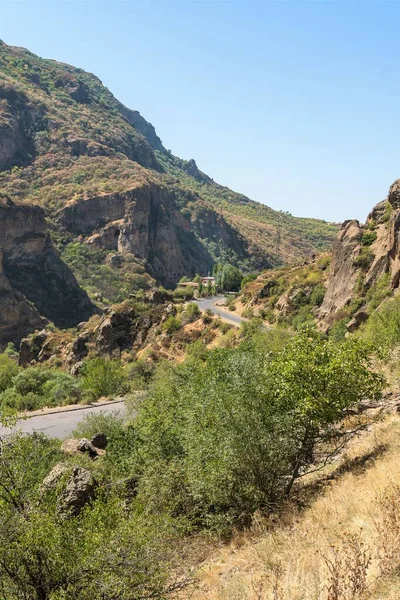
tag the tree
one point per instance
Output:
(228, 436)
(109, 551)
(227, 277)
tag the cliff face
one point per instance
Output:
(144, 222)
(365, 256)
(35, 284)
(67, 142)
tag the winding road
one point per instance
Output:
(210, 303)
(60, 424)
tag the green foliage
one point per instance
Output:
(383, 326)
(191, 312)
(36, 387)
(247, 278)
(103, 377)
(225, 437)
(8, 370)
(139, 374)
(97, 277)
(109, 424)
(368, 238)
(183, 293)
(364, 259)
(171, 324)
(379, 291)
(108, 551)
(227, 277)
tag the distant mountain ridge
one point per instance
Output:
(107, 183)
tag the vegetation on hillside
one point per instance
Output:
(70, 140)
(223, 435)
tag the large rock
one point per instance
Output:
(79, 491)
(394, 194)
(35, 284)
(343, 274)
(146, 222)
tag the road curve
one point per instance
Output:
(61, 424)
(209, 303)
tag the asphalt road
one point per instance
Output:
(61, 424)
(209, 303)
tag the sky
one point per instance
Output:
(293, 103)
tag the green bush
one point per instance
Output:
(368, 238)
(8, 370)
(183, 293)
(364, 259)
(102, 377)
(171, 324)
(223, 438)
(191, 313)
(383, 326)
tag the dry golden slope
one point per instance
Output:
(344, 546)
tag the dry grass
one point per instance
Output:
(344, 546)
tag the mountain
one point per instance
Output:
(121, 208)
(341, 289)
(35, 284)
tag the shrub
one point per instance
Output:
(364, 259)
(8, 370)
(183, 293)
(109, 424)
(383, 326)
(102, 377)
(317, 295)
(368, 238)
(61, 389)
(191, 313)
(225, 437)
(171, 324)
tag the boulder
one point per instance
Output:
(394, 194)
(79, 491)
(74, 446)
(360, 317)
(99, 441)
(52, 479)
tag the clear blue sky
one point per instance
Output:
(295, 104)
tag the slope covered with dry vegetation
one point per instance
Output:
(66, 139)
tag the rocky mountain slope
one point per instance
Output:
(365, 260)
(364, 271)
(106, 181)
(35, 285)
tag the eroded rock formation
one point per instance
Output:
(35, 285)
(363, 254)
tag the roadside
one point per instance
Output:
(60, 424)
(211, 303)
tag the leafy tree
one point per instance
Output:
(225, 437)
(227, 277)
(8, 370)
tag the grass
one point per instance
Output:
(345, 545)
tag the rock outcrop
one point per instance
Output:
(79, 488)
(146, 223)
(35, 284)
(343, 274)
(362, 255)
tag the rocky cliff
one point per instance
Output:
(366, 259)
(35, 285)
